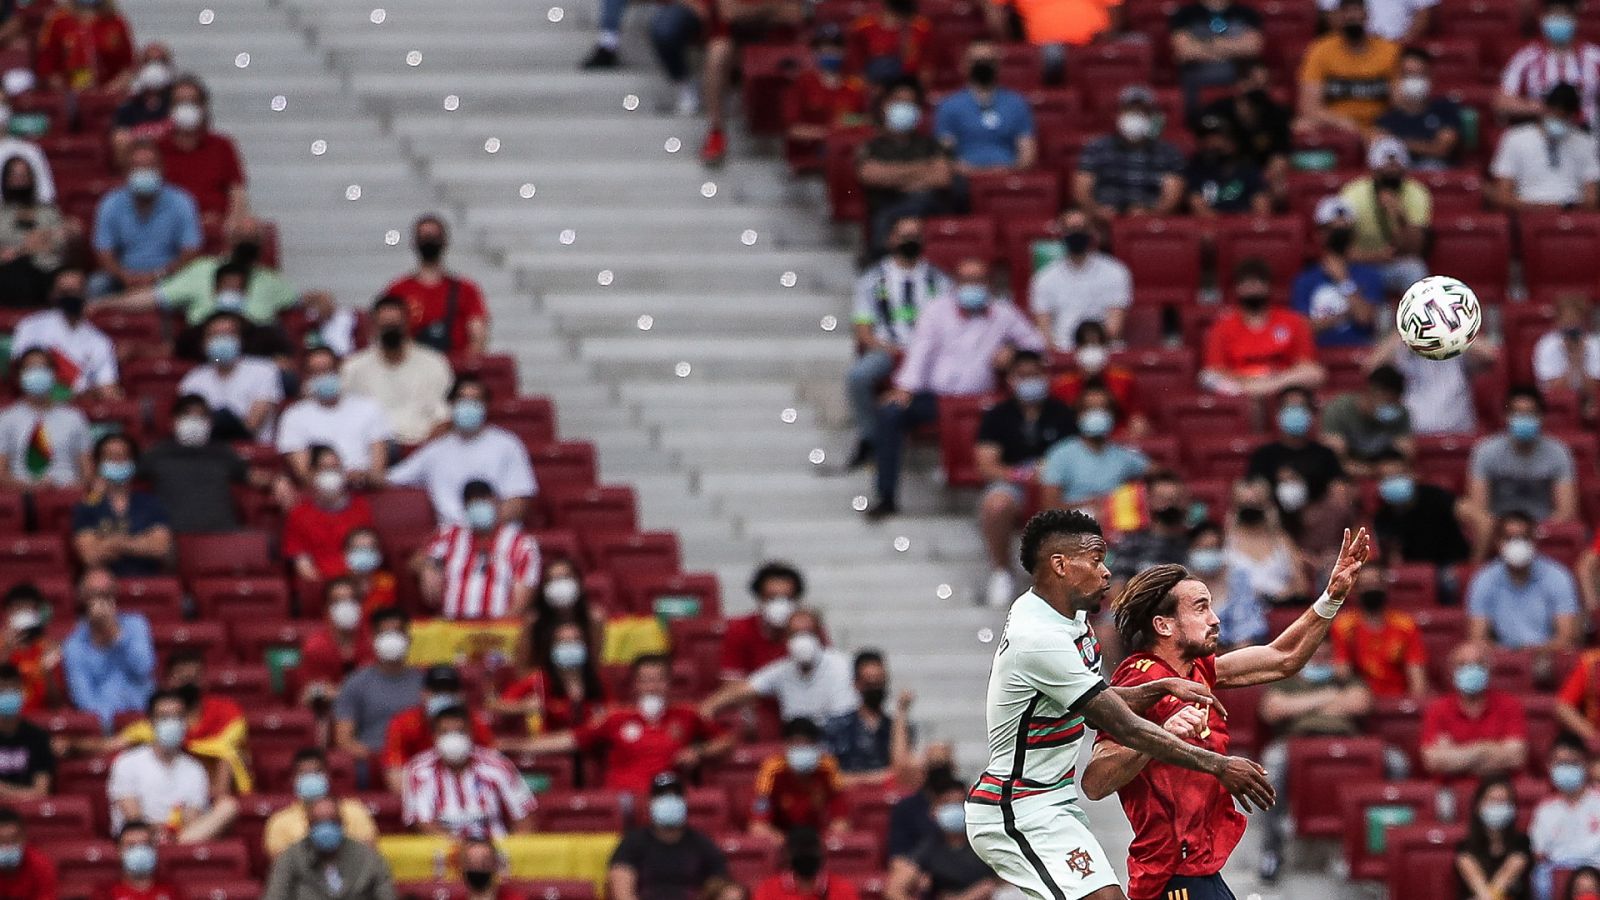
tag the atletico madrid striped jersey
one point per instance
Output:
(1046, 668)
(481, 573)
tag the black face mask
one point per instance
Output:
(873, 697)
(1572, 334)
(245, 253)
(984, 73)
(1339, 240)
(903, 7)
(71, 305)
(1258, 96)
(477, 879)
(1076, 242)
(1372, 601)
(18, 194)
(1355, 31)
(908, 249)
(1388, 182)
(190, 694)
(1254, 303)
(430, 250)
(1170, 516)
(806, 865)
(1252, 515)
(391, 337)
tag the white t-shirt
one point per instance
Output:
(160, 788)
(411, 393)
(1387, 18)
(350, 427)
(86, 346)
(1567, 833)
(1072, 294)
(445, 464)
(1550, 356)
(1438, 397)
(251, 381)
(1524, 156)
(826, 692)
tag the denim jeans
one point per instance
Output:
(890, 440)
(673, 30)
(611, 14)
(861, 386)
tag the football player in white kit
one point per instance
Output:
(1022, 815)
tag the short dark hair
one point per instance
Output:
(801, 727)
(1388, 454)
(477, 489)
(431, 218)
(649, 659)
(1515, 515)
(462, 381)
(9, 816)
(107, 440)
(23, 591)
(188, 402)
(1387, 378)
(1570, 741)
(1418, 53)
(1147, 595)
(1252, 268)
(1050, 523)
(775, 569)
(867, 657)
(1528, 391)
(901, 83)
(182, 656)
(9, 672)
(158, 696)
(1163, 476)
(1295, 390)
(316, 452)
(309, 754)
(1563, 98)
(1080, 335)
(385, 614)
(133, 825)
(319, 350)
(391, 301)
(223, 315)
(1026, 356)
(228, 269)
(1208, 526)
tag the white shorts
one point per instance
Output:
(1047, 851)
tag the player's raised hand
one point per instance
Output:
(1185, 690)
(1353, 553)
(1247, 782)
(1186, 722)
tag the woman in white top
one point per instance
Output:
(1257, 546)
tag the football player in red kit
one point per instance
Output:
(1184, 823)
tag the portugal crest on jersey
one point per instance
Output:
(1089, 649)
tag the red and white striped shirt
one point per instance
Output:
(480, 799)
(479, 575)
(1537, 68)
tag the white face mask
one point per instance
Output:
(169, 733)
(345, 615)
(651, 706)
(1517, 553)
(391, 646)
(328, 482)
(1133, 126)
(192, 431)
(561, 593)
(1292, 495)
(1415, 87)
(1091, 358)
(23, 620)
(776, 612)
(453, 747)
(804, 648)
(187, 116)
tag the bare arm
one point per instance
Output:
(1565, 507)
(1576, 722)
(906, 881)
(1171, 195)
(344, 737)
(622, 882)
(1589, 579)
(1114, 765)
(1472, 874)
(1510, 871)
(987, 458)
(731, 694)
(1416, 680)
(1140, 697)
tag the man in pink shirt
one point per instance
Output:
(959, 343)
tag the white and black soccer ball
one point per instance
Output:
(1439, 317)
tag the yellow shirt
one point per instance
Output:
(1415, 202)
(1354, 84)
(289, 826)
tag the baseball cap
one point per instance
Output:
(1331, 208)
(442, 678)
(665, 783)
(1385, 150)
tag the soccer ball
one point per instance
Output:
(1438, 317)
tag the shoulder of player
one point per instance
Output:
(1138, 668)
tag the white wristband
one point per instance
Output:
(1326, 606)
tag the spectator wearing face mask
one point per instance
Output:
(870, 745)
(1345, 74)
(1219, 180)
(902, 171)
(1475, 731)
(235, 282)
(485, 569)
(1391, 214)
(85, 359)
(1549, 163)
(33, 236)
(82, 45)
(160, 782)
(108, 659)
(1209, 39)
(1566, 359)
(481, 870)
(799, 788)
(244, 391)
(1495, 858)
(1381, 647)
(1416, 522)
(27, 761)
(822, 97)
(803, 876)
(1299, 467)
(560, 599)
(191, 474)
(203, 162)
(1339, 296)
(1084, 285)
(363, 561)
(25, 870)
(1242, 617)
(472, 450)
(463, 788)
(290, 825)
(332, 653)
(987, 128)
(753, 641)
(1132, 170)
(143, 116)
(408, 379)
(115, 526)
(1257, 549)
(448, 313)
(329, 863)
(956, 348)
(1556, 56)
(25, 646)
(1521, 470)
(355, 427)
(1565, 830)
(1086, 469)
(41, 186)
(1092, 367)
(43, 440)
(1524, 599)
(1259, 122)
(375, 694)
(144, 231)
(215, 730)
(812, 681)
(890, 44)
(1362, 427)
(562, 688)
(946, 865)
(1166, 538)
(665, 859)
(409, 732)
(1427, 124)
(1255, 349)
(315, 530)
(1013, 436)
(911, 819)
(138, 851)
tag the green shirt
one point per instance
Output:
(1365, 437)
(193, 289)
(1415, 202)
(1316, 722)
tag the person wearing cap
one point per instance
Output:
(1555, 56)
(812, 681)
(243, 391)
(1550, 163)
(1085, 285)
(143, 116)
(409, 734)
(1256, 349)
(988, 128)
(1219, 180)
(666, 859)
(1428, 124)
(1209, 38)
(290, 825)
(1342, 298)
(822, 97)
(1346, 73)
(1132, 170)
(753, 641)
(1392, 213)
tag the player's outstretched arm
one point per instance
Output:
(1114, 765)
(1289, 651)
(1243, 778)
(1141, 697)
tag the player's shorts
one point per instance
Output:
(1196, 887)
(1047, 851)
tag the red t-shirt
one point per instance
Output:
(1502, 718)
(310, 530)
(1282, 341)
(1119, 381)
(786, 799)
(322, 660)
(556, 713)
(409, 735)
(35, 677)
(746, 647)
(870, 37)
(812, 101)
(428, 303)
(208, 172)
(1379, 655)
(1581, 690)
(1184, 823)
(828, 887)
(637, 750)
(33, 879)
(123, 891)
(86, 53)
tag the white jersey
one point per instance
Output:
(1046, 668)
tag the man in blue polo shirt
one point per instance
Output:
(988, 128)
(145, 230)
(1524, 599)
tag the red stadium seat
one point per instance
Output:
(854, 853)
(947, 240)
(1412, 585)
(1397, 721)
(564, 465)
(159, 598)
(385, 809)
(533, 419)
(251, 640)
(1475, 248)
(210, 638)
(1279, 240)
(1556, 249)
(637, 557)
(250, 686)
(431, 890)
(222, 889)
(709, 810)
(44, 553)
(235, 553)
(581, 811)
(241, 599)
(497, 371)
(55, 818)
(596, 509)
(664, 596)
(1160, 251)
(402, 509)
(291, 729)
(1035, 194)
(1422, 861)
(1207, 414)
(959, 418)
(845, 197)
(552, 889)
(82, 863)
(222, 859)
(750, 858)
(1455, 191)
(1367, 805)
(1220, 457)
(1101, 70)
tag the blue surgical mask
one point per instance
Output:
(1032, 390)
(1559, 29)
(669, 811)
(327, 836)
(469, 414)
(309, 786)
(569, 654)
(10, 856)
(1497, 815)
(1568, 777)
(1206, 560)
(952, 818)
(972, 297)
(1389, 413)
(803, 758)
(362, 560)
(1317, 673)
(170, 732)
(223, 348)
(1471, 679)
(36, 381)
(117, 471)
(832, 63)
(902, 116)
(438, 703)
(139, 860)
(1556, 128)
(1294, 421)
(1523, 426)
(1397, 489)
(481, 515)
(144, 182)
(325, 386)
(1095, 423)
(11, 703)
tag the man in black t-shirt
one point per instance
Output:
(665, 860)
(1209, 39)
(902, 170)
(1298, 465)
(1260, 123)
(1415, 522)
(944, 865)
(27, 764)
(192, 474)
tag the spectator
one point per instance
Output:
(902, 171)
(1401, 21)
(1258, 122)
(33, 235)
(25, 646)
(1438, 396)
(410, 732)
(911, 819)
(115, 526)
(957, 346)
(1415, 521)
(447, 311)
(329, 863)
(1013, 436)
(1090, 467)
(888, 298)
(1566, 359)
(1475, 731)
(735, 23)
(315, 531)
(1524, 599)
(191, 474)
(355, 427)
(143, 116)
(1242, 615)
(1494, 859)
(108, 658)
(1084, 285)
(378, 692)
(86, 360)
(753, 641)
(1345, 74)
(137, 849)
(1257, 350)
(1362, 427)
(216, 726)
(1299, 467)
(1339, 296)
(487, 568)
(1220, 180)
(799, 788)
(43, 180)
(27, 761)
(1133, 170)
(1392, 213)
(1092, 367)
(822, 97)
(1565, 830)
(944, 866)
(1257, 549)
(871, 746)
(1429, 125)
(43, 440)
(84, 45)
(1584, 884)
(237, 282)
(1380, 646)
(408, 379)
(562, 689)
(159, 782)
(1550, 163)
(243, 391)
(1557, 56)
(803, 877)
(331, 654)
(1165, 539)
(26, 872)
(144, 231)
(987, 128)
(473, 450)
(890, 44)
(665, 859)
(1210, 39)
(1519, 470)
(203, 162)
(363, 560)
(458, 789)
(812, 681)
(481, 867)
(560, 599)
(291, 825)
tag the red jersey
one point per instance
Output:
(1502, 717)
(35, 677)
(786, 799)
(1184, 823)
(1283, 340)
(1379, 656)
(123, 891)
(482, 573)
(555, 713)
(637, 749)
(429, 302)
(828, 887)
(87, 53)
(409, 735)
(208, 172)
(381, 593)
(871, 38)
(746, 647)
(310, 530)
(321, 659)
(1119, 381)
(1581, 690)
(33, 879)
(811, 100)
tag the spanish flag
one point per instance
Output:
(1125, 509)
(37, 459)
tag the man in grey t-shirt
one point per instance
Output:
(374, 694)
(1519, 470)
